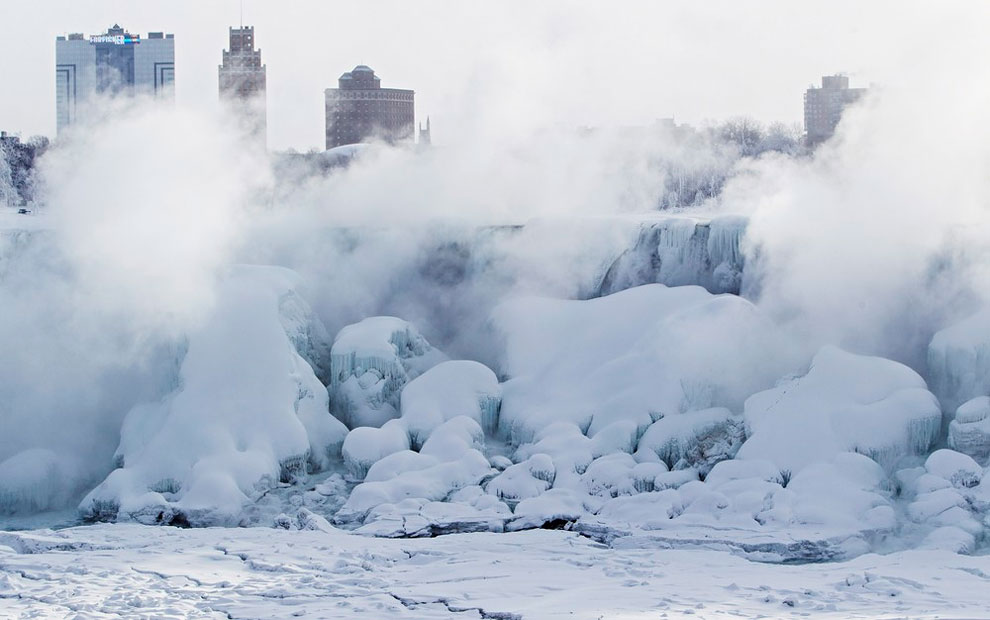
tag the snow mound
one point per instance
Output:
(951, 494)
(959, 360)
(955, 467)
(530, 478)
(674, 350)
(370, 362)
(246, 411)
(844, 403)
(453, 438)
(694, 439)
(448, 390)
(969, 431)
(366, 445)
(468, 510)
(434, 483)
(746, 504)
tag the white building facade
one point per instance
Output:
(110, 64)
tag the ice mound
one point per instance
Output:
(969, 431)
(619, 474)
(37, 480)
(826, 510)
(682, 251)
(530, 478)
(468, 510)
(673, 350)
(950, 497)
(434, 483)
(845, 402)
(370, 362)
(570, 451)
(694, 439)
(959, 361)
(246, 411)
(366, 445)
(453, 438)
(450, 389)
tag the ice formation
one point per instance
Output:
(36, 480)
(845, 402)
(366, 445)
(433, 483)
(370, 362)
(959, 360)
(949, 499)
(674, 350)
(694, 439)
(969, 431)
(448, 390)
(680, 251)
(246, 411)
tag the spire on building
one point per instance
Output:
(424, 134)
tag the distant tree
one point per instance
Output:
(18, 169)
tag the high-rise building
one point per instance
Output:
(113, 63)
(823, 106)
(359, 109)
(424, 134)
(243, 81)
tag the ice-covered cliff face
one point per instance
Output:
(246, 411)
(959, 361)
(679, 251)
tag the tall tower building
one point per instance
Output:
(424, 134)
(243, 82)
(111, 64)
(823, 107)
(359, 109)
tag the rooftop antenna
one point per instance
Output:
(242, 14)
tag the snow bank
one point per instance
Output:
(673, 350)
(959, 360)
(246, 411)
(370, 362)
(450, 389)
(844, 403)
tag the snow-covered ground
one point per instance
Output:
(132, 571)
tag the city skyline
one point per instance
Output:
(477, 67)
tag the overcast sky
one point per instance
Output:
(508, 65)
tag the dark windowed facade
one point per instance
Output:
(243, 81)
(823, 107)
(360, 110)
